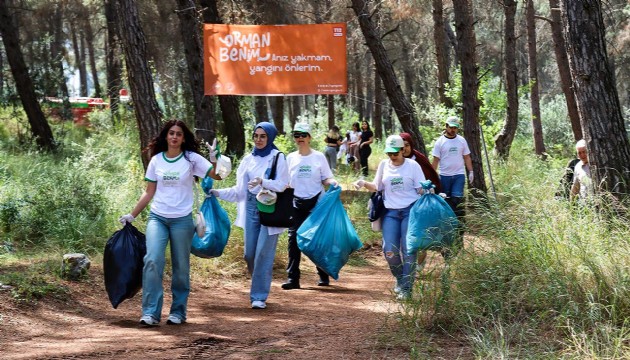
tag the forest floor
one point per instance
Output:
(354, 318)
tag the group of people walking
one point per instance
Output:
(355, 145)
(176, 160)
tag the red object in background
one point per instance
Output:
(123, 92)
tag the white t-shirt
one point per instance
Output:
(174, 177)
(582, 175)
(451, 154)
(307, 173)
(399, 183)
(251, 167)
(354, 136)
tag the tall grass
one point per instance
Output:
(539, 277)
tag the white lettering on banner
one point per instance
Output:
(235, 54)
(288, 67)
(252, 40)
(295, 59)
(266, 69)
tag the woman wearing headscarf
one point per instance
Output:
(252, 176)
(410, 152)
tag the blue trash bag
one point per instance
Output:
(327, 236)
(212, 243)
(432, 223)
(123, 260)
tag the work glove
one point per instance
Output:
(471, 177)
(333, 183)
(358, 184)
(442, 195)
(212, 151)
(254, 182)
(128, 218)
(214, 193)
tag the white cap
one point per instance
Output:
(302, 127)
(453, 121)
(394, 143)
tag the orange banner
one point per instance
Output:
(275, 59)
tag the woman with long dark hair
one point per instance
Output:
(175, 161)
(365, 150)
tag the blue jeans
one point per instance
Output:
(453, 186)
(159, 231)
(402, 266)
(331, 156)
(260, 251)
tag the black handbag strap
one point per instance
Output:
(272, 174)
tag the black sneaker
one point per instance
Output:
(323, 283)
(290, 285)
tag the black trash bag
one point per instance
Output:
(123, 260)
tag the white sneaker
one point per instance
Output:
(149, 320)
(397, 289)
(403, 296)
(174, 320)
(257, 304)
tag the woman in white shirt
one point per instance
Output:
(169, 176)
(309, 172)
(251, 177)
(399, 179)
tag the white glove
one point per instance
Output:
(358, 184)
(254, 182)
(212, 151)
(442, 195)
(214, 193)
(128, 218)
(431, 191)
(333, 183)
(471, 177)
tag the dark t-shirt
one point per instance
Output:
(366, 135)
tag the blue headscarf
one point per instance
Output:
(271, 131)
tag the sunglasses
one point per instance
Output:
(300, 135)
(393, 153)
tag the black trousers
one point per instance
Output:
(303, 208)
(364, 154)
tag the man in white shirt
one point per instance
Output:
(451, 157)
(582, 183)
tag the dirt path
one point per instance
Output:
(343, 321)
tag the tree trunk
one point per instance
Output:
(260, 106)
(112, 60)
(56, 50)
(378, 106)
(89, 37)
(466, 54)
(408, 69)
(330, 104)
(192, 40)
(532, 63)
(229, 104)
(369, 92)
(404, 110)
(278, 113)
(39, 127)
(360, 103)
(562, 60)
(148, 114)
(503, 140)
(295, 110)
(596, 95)
(441, 54)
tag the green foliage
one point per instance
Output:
(33, 283)
(537, 276)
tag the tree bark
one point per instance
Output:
(112, 60)
(330, 105)
(148, 114)
(466, 54)
(403, 108)
(503, 140)
(193, 49)
(596, 95)
(441, 54)
(39, 126)
(278, 113)
(532, 64)
(562, 60)
(89, 37)
(56, 50)
(229, 104)
(358, 78)
(378, 106)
